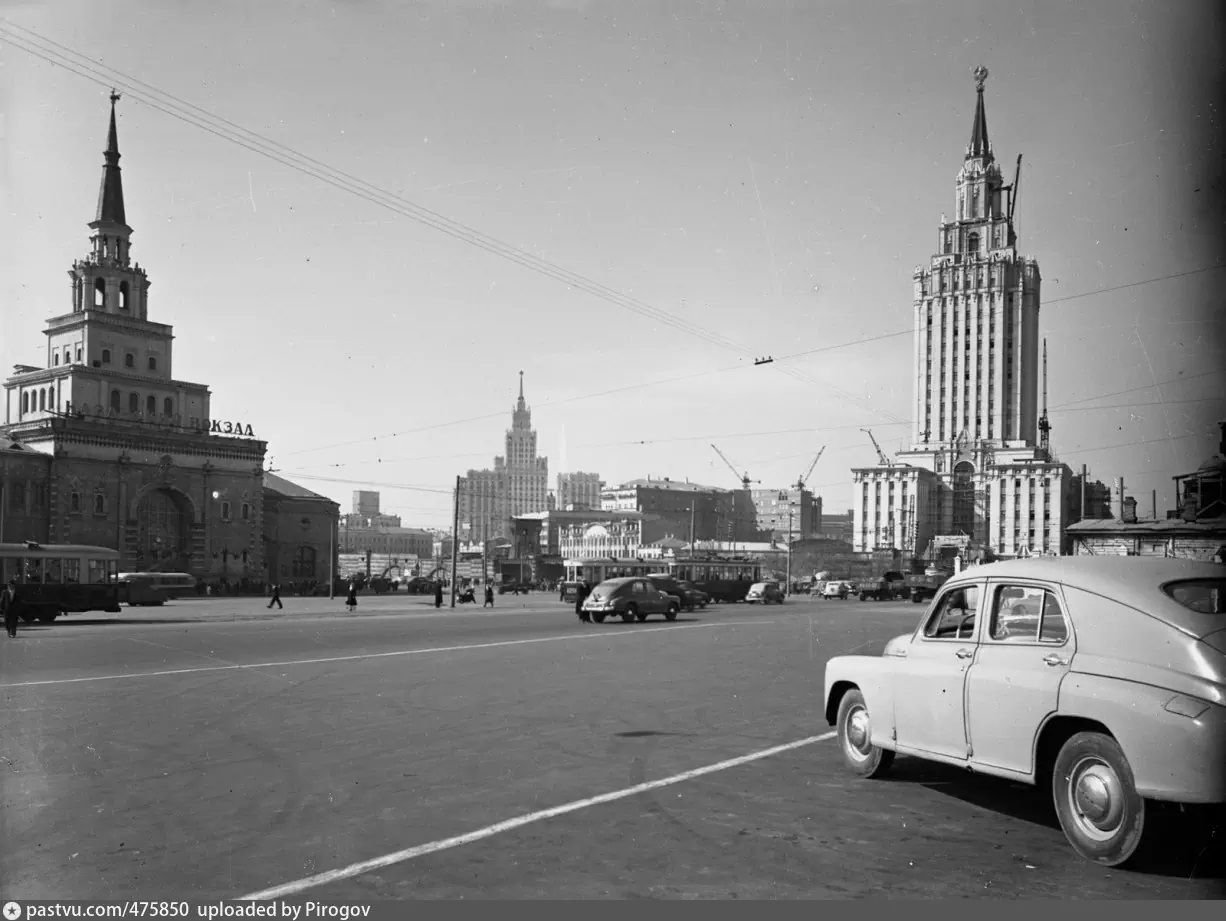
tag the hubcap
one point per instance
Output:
(858, 731)
(1097, 797)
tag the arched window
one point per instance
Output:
(55, 359)
(225, 511)
(133, 402)
(151, 406)
(74, 502)
(25, 401)
(129, 360)
(972, 243)
(245, 511)
(153, 363)
(123, 295)
(78, 353)
(115, 400)
(168, 406)
(106, 356)
(99, 292)
(42, 399)
(99, 504)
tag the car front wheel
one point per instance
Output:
(671, 613)
(1096, 799)
(854, 730)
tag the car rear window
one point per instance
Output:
(1204, 596)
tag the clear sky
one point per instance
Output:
(747, 179)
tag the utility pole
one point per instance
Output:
(455, 538)
(691, 528)
(331, 559)
(788, 591)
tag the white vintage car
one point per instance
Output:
(1103, 676)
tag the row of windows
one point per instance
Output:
(134, 404)
(129, 358)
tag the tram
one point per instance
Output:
(724, 579)
(55, 579)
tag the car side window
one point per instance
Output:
(1027, 614)
(954, 617)
(637, 588)
(1054, 626)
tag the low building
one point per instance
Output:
(300, 533)
(1194, 530)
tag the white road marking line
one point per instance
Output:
(371, 655)
(409, 853)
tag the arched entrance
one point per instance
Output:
(163, 528)
(304, 563)
(964, 499)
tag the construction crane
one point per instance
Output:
(743, 477)
(800, 484)
(885, 461)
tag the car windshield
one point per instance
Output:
(1205, 596)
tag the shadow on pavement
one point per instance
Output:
(1190, 845)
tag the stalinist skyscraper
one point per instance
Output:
(518, 482)
(979, 476)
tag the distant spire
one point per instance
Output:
(110, 194)
(979, 146)
(521, 386)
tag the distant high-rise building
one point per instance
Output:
(578, 491)
(518, 482)
(365, 503)
(979, 476)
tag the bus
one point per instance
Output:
(153, 588)
(55, 579)
(722, 578)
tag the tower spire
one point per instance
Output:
(1044, 424)
(979, 146)
(110, 194)
(521, 390)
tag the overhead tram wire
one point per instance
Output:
(77, 63)
(196, 116)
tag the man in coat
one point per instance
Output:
(581, 593)
(8, 604)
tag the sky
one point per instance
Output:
(682, 188)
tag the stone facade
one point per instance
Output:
(131, 457)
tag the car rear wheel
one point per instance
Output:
(630, 613)
(1096, 799)
(671, 613)
(854, 730)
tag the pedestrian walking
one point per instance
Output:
(8, 604)
(438, 594)
(489, 597)
(351, 600)
(276, 597)
(581, 593)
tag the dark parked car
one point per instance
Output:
(683, 590)
(630, 598)
(514, 588)
(764, 592)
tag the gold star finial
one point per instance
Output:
(981, 74)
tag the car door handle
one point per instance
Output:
(1053, 660)
(964, 653)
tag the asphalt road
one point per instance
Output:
(214, 749)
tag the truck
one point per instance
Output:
(888, 586)
(924, 585)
